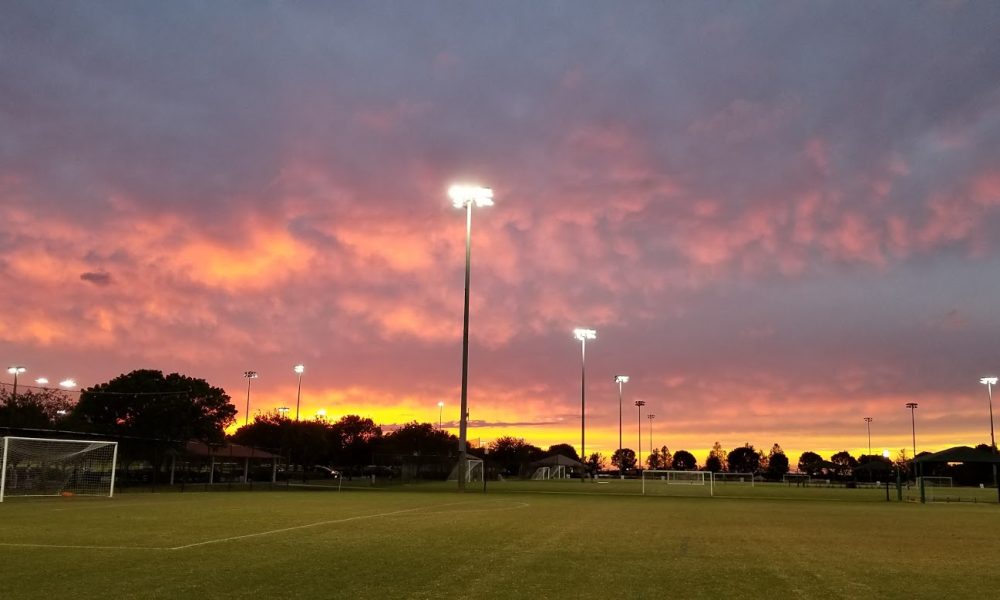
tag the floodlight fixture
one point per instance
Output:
(621, 378)
(467, 195)
(15, 371)
(868, 422)
(68, 383)
(42, 380)
(638, 450)
(300, 369)
(650, 417)
(585, 334)
(885, 453)
(913, 426)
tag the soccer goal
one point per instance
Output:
(936, 481)
(474, 470)
(541, 473)
(558, 472)
(657, 481)
(799, 479)
(733, 478)
(48, 467)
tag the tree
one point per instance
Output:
(420, 439)
(654, 460)
(716, 461)
(595, 462)
(34, 409)
(902, 461)
(513, 453)
(623, 459)
(777, 463)
(666, 459)
(744, 460)
(564, 449)
(147, 404)
(809, 461)
(684, 461)
(306, 443)
(353, 440)
(845, 463)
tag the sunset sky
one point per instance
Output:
(780, 217)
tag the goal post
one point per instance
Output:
(737, 478)
(53, 467)
(656, 479)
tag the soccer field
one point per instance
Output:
(522, 540)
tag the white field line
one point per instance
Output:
(262, 533)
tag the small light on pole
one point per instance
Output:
(249, 376)
(583, 335)
(620, 379)
(15, 371)
(639, 404)
(440, 413)
(989, 382)
(283, 411)
(299, 370)
(868, 422)
(465, 196)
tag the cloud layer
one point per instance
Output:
(779, 222)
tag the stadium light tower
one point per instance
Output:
(620, 379)
(465, 196)
(989, 382)
(639, 404)
(299, 370)
(868, 422)
(15, 371)
(583, 335)
(440, 413)
(651, 416)
(913, 425)
(249, 375)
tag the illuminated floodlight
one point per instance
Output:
(465, 195)
(16, 370)
(250, 374)
(621, 378)
(300, 369)
(585, 334)
(68, 383)
(988, 381)
(885, 453)
(41, 380)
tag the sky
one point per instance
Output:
(780, 217)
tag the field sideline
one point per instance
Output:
(427, 541)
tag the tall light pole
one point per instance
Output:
(583, 335)
(913, 425)
(989, 382)
(440, 413)
(639, 404)
(299, 370)
(464, 196)
(283, 411)
(868, 422)
(249, 375)
(620, 379)
(15, 371)
(651, 416)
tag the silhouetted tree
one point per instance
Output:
(845, 463)
(565, 449)
(34, 409)
(423, 439)
(623, 459)
(305, 443)
(744, 460)
(666, 459)
(777, 463)
(513, 453)
(808, 462)
(716, 461)
(595, 462)
(146, 404)
(353, 441)
(684, 461)
(654, 460)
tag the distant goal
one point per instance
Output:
(661, 482)
(50, 467)
(734, 478)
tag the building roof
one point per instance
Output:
(961, 454)
(226, 450)
(557, 459)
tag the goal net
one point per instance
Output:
(541, 473)
(800, 479)
(733, 478)
(48, 467)
(655, 481)
(473, 470)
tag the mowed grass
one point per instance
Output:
(518, 540)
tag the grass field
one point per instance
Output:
(518, 540)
